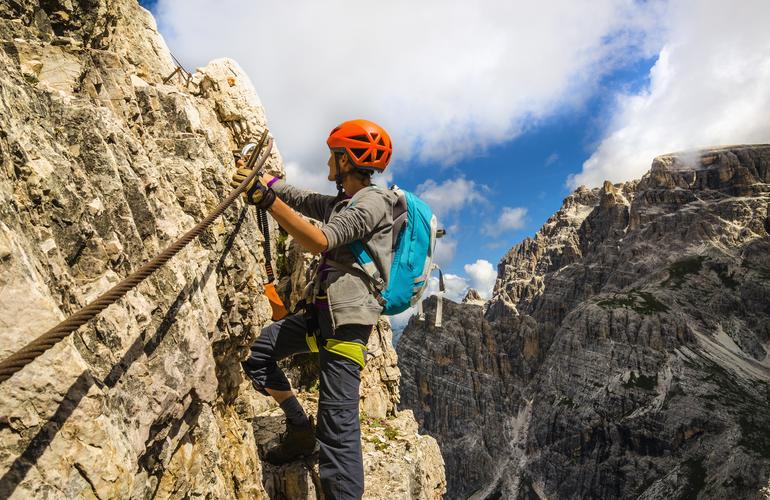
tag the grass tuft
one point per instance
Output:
(678, 271)
(643, 303)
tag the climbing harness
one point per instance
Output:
(31, 351)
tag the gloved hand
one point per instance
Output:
(256, 193)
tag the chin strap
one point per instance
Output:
(338, 177)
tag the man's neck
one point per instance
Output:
(353, 186)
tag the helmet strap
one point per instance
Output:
(338, 177)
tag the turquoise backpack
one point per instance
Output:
(415, 230)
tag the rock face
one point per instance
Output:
(624, 353)
(105, 160)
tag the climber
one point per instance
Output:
(340, 307)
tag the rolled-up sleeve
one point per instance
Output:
(356, 222)
(308, 203)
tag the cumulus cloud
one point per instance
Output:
(445, 78)
(449, 196)
(445, 251)
(315, 180)
(482, 277)
(455, 287)
(710, 86)
(511, 218)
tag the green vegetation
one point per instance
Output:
(315, 385)
(306, 368)
(281, 254)
(390, 432)
(643, 303)
(648, 383)
(678, 271)
(617, 301)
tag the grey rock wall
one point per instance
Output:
(102, 167)
(624, 353)
(104, 161)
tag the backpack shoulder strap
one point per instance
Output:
(365, 261)
(363, 258)
(368, 270)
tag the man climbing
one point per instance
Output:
(341, 306)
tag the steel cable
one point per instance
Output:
(31, 351)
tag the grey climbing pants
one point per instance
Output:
(338, 430)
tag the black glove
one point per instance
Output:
(260, 195)
(256, 193)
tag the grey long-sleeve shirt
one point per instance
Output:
(370, 220)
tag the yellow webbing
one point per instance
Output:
(350, 350)
(311, 343)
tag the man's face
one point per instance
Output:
(343, 164)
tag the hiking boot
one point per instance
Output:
(297, 441)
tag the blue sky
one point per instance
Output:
(529, 171)
(498, 108)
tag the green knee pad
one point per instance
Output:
(350, 350)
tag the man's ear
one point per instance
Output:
(344, 162)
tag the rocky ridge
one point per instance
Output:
(624, 353)
(106, 156)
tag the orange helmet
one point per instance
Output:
(366, 143)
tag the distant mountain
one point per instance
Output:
(624, 353)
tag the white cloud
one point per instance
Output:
(710, 86)
(447, 79)
(315, 180)
(449, 196)
(445, 251)
(552, 158)
(510, 218)
(482, 277)
(455, 287)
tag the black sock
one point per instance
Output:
(295, 414)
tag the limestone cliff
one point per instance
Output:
(104, 160)
(624, 353)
